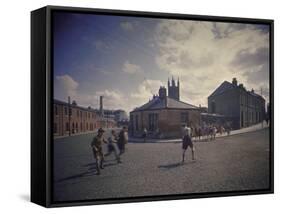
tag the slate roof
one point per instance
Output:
(226, 86)
(170, 103)
(55, 101)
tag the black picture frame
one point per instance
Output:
(42, 102)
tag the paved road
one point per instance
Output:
(239, 162)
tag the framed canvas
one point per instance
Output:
(141, 106)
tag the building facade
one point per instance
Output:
(245, 108)
(163, 116)
(71, 119)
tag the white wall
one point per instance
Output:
(15, 99)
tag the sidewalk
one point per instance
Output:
(94, 132)
(253, 128)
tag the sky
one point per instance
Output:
(126, 59)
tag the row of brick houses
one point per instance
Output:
(73, 119)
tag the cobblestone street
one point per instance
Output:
(238, 162)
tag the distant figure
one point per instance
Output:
(228, 129)
(214, 132)
(187, 142)
(112, 146)
(199, 132)
(144, 135)
(122, 140)
(96, 145)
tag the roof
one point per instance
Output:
(74, 106)
(160, 103)
(226, 86)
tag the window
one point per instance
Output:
(67, 126)
(213, 107)
(65, 110)
(56, 110)
(184, 117)
(137, 122)
(152, 121)
(55, 128)
(77, 113)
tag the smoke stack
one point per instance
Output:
(101, 106)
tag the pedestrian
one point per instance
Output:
(214, 130)
(96, 146)
(199, 132)
(144, 135)
(122, 140)
(112, 146)
(187, 142)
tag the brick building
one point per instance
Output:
(164, 116)
(73, 119)
(245, 108)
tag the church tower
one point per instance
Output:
(174, 89)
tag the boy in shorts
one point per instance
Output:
(187, 142)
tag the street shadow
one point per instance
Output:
(88, 173)
(91, 171)
(171, 166)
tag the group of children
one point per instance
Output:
(116, 144)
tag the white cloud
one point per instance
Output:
(144, 92)
(127, 26)
(130, 68)
(202, 55)
(65, 86)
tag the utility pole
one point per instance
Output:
(69, 116)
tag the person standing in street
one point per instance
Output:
(122, 140)
(96, 146)
(112, 146)
(187, 142)
(144, 135)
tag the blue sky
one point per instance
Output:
(126, 59)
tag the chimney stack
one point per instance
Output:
(101, 106)
(234, 81)
(162, 92)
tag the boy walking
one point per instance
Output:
(187, 142)
(96, 145)
(112, 146)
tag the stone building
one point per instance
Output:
(164, 116)
(71, 119)
(245, 108)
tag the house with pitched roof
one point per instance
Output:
(165, 115)
(244, 107)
